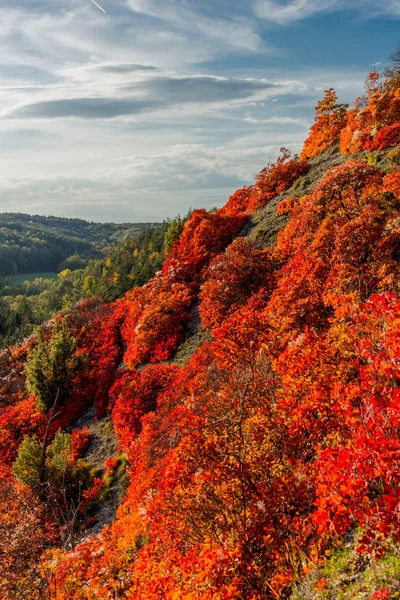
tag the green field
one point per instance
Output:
(20, 278)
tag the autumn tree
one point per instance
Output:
(330, 118)
(232, 278)
(344, 188)
(26, 533)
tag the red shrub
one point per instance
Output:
(232, 278)
(276, 178)
(387, 137)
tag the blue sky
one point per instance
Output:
(136, 110)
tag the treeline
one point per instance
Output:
(30, 244)
(127, 265)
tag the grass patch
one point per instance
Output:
(21, 277)
(349, 575)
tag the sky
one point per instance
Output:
(137, 110)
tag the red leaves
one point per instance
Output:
(80, 440)
(160, 326)
(135, 394)
(373, 125)
(204, 236)
(93, 493)
(344, 188)
(276, 178)
(387, 137)
(232, 278)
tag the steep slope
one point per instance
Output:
(257, 401)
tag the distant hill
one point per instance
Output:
(32, 243)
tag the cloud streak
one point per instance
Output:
(98, 6)
(285, 13)
(148, 94)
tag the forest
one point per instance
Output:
(32, 243)
(222, 418)
(24, 306)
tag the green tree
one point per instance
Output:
(51, 367)
(173, 232)
(26, 466)
(89, 286)
(58, 454)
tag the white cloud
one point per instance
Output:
(276, 120)
(285, 13)
(236, 31)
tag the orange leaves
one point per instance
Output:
(25, 535)
(329, 121)
(344, 188)
(387, 137)
(358, 481)
(391, 183)
(373, 125)
(239, 201)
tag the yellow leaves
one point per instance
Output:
(64, 273)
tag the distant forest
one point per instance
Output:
(136, 255)
(31, 244)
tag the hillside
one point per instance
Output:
(241, 408)
(27, 304)
(32, 243)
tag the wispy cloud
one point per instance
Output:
(285, 13)
(146, 93)
(236, 29)
(276, 121)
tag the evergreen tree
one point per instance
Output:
(58, 454)
(26, 466)
(173, 232)
(51, 367)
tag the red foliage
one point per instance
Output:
(239, 201)
(344, 188)
(387, 137)
(276, 178)
(232, 278)
(391, 183)
(93, 493)
(358, 479)
(204, 236)
(15, 422)
(25, 533)
(133, 395)
(154, 331)
(80, 440)
(110, 464)
(373, 124)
